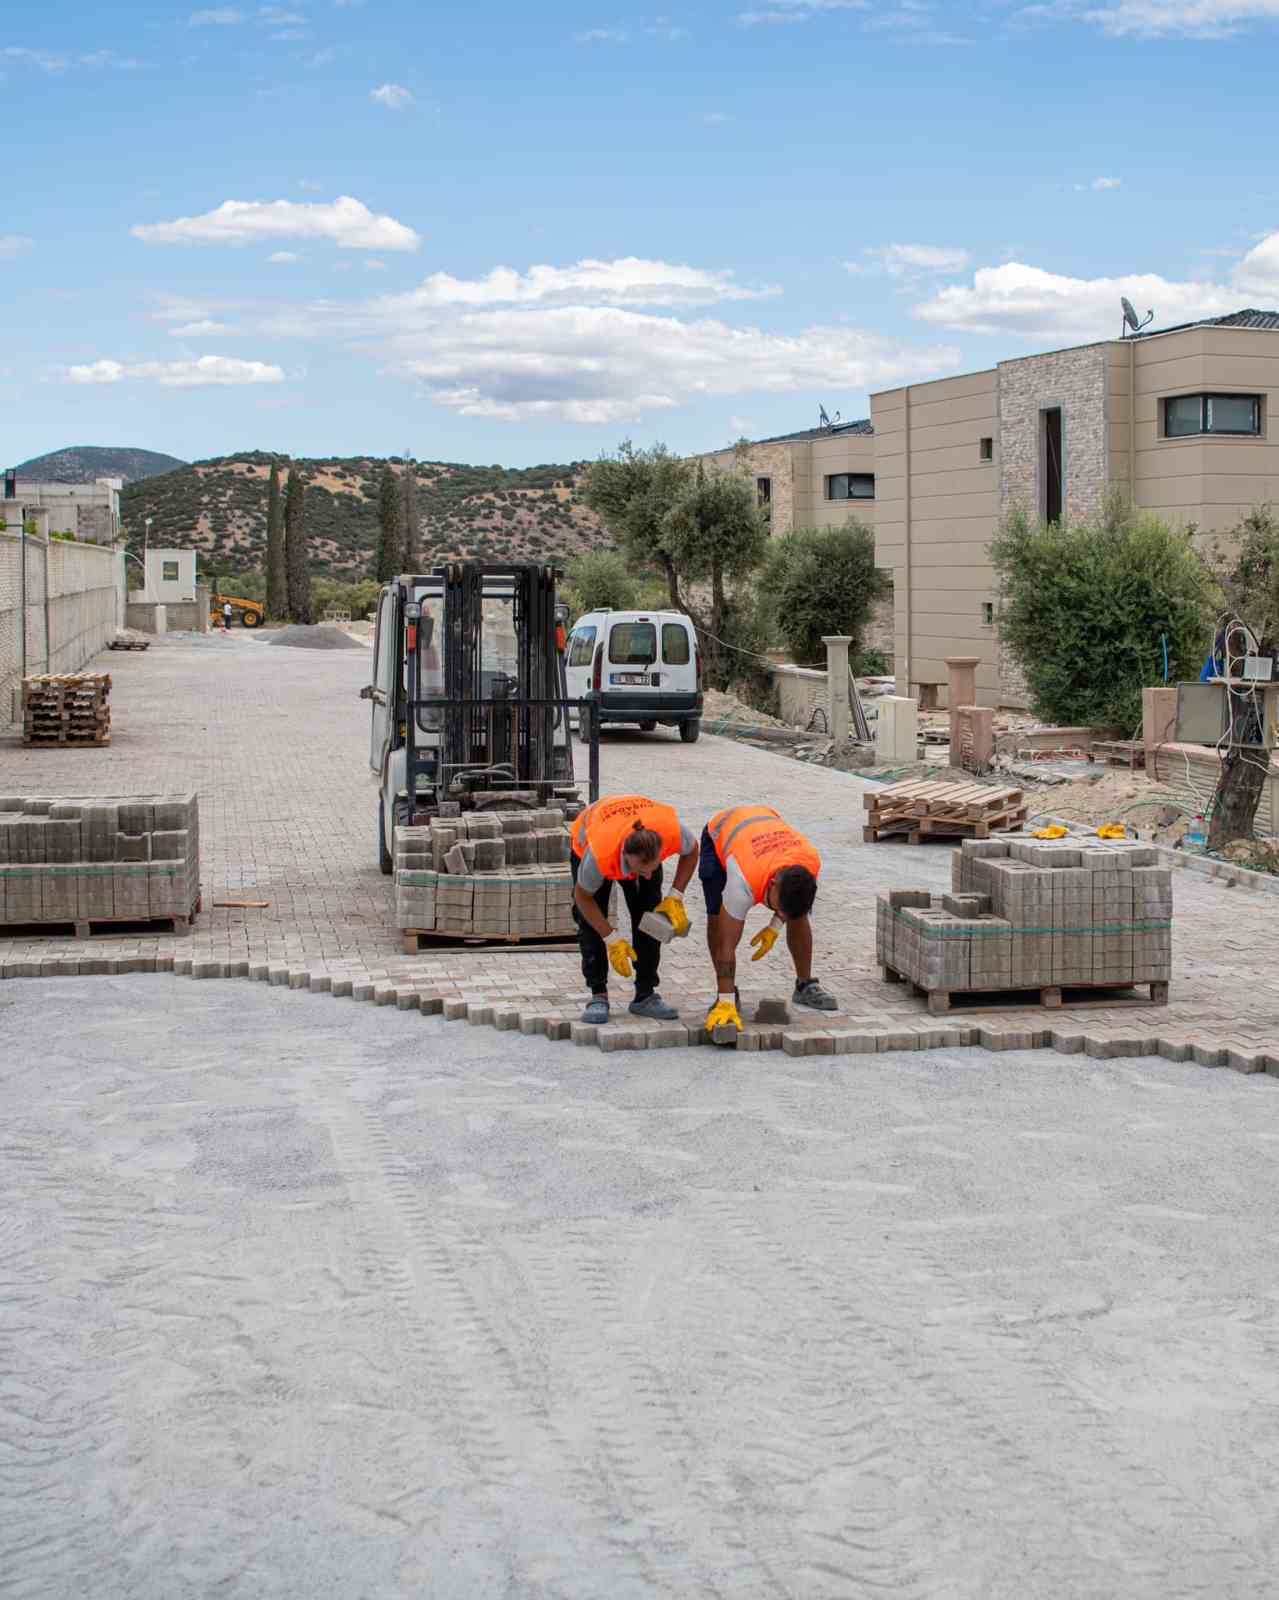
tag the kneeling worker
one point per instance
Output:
(624, 839)
(750, 857)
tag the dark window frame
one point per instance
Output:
(1205, 398)
(677, 628)
(986, 448)
(583, 642)
(630, 660)
(849, 478)
(764, 491)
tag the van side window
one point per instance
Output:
(581, 647)
(674, 644)
(632, 644)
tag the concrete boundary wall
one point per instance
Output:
(60, 604)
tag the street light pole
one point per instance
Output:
(146, 565)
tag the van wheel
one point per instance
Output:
(647, 727)
(690, 731)
(383, 854)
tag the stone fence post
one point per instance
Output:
(837, 684)
(961, 690)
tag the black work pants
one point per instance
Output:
(641, 895)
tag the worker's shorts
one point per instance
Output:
(714, 876)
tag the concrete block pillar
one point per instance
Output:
(1158, 721)
(837, 684)
(976, 748)
(896, 731)
(961, 690)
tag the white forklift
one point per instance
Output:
(469, 700)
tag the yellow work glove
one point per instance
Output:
(763, 942)
(723, 1012)
(621, 955)
(1054, 830)
(672, 908)
(1111, 830)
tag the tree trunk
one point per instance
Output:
(672, 582)
(1243, 773)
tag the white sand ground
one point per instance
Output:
(301, 1298)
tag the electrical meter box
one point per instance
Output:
(1218, 713)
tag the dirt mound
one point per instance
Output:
(318, 636)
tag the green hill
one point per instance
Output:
(83, 463)
(488, 513)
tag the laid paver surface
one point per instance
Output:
(275, 741)
(302, 1299)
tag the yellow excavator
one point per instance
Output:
(250, 612)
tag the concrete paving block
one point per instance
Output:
(657, 927)
(795, 1044)
(490, 855)
(773, 1011)
(299, 978)
(407, 1000)
(1207, 1055)
(505, 1019)
(341, 987)
(181, 967)
(361, 989)
(59, 896)
(479, 1015)
(455, 1010)
(854, 1042)
(1271, 1065)
(207, 969)
(1245, 1061)
(725, 1033)
(584, 1033)
(532, 1022)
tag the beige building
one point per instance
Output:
(91, 511)
(1184, 419)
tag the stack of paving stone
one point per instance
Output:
(1031, 914)
(490, 874)
(85, 861)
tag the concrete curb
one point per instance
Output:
(852, 1038)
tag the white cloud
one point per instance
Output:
(203, 329)
(915, 260)
(46, 60)
(1258, 272)
(596, 364)
(203, 372)
(322, 58)
(629, 281)
(216, 17)
(1191, 18)
(392, 95)
(310, 186)
(278, 17)
(602, 36)
(13, 245)
(1020, 299)
(283, 258)
(373, 264)
(716, 119)
(1098, 185)
(346, 222)
(108, 58)
(797, 11)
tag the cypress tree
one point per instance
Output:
(408, 505)
(299, 578)
(388, 561)
(277, 588)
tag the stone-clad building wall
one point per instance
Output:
(1075, 380)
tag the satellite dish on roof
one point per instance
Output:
(1131, 322)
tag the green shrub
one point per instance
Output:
(870, 664)
(818, 582)
(1089, 606)
(600, 581)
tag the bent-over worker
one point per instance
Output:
(750, 857)
(625, 839)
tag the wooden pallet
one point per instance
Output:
(914, 830)
(416, 940)
(1130, 753)
(106, 927)
(924, 808)
(129, 644)
(66, 708)
(1050, 996)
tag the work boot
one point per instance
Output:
(654, 1008)
(596, 1010)
(811, 994)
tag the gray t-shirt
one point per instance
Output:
(590, 875)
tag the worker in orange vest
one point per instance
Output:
(750, 857)
(625, 839)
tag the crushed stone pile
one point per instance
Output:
(318, 636)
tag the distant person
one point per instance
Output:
(749, 858)
(226, 617)
(624, 839)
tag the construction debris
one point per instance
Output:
(129, 641)
(315, 636)
(90, 861)
(918, 809)
(66, 708)
(485, 875)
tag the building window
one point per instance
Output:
(764, 492)
(850, 486)
(1187, 414)
(632, 644)
(988, 613)
(1050, 457)
(169, 572)
(581, 650)
(986, 449)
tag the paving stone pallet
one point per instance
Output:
(81, 862)
(1033, 915)
(492, 875)
(66, 708)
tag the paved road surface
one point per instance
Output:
(301, 1298)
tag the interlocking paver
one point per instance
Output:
(275, 743)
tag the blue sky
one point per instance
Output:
(501, 232)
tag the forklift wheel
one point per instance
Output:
(383, 854)
(251, 619)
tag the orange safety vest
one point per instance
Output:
(602, 829)
(761, 844)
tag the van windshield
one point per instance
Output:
(632, 644)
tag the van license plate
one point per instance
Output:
(628, 677)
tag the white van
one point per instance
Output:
(644, 666)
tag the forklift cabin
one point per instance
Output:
(469, 699)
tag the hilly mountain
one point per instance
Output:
(489, 513)
(83, 463)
